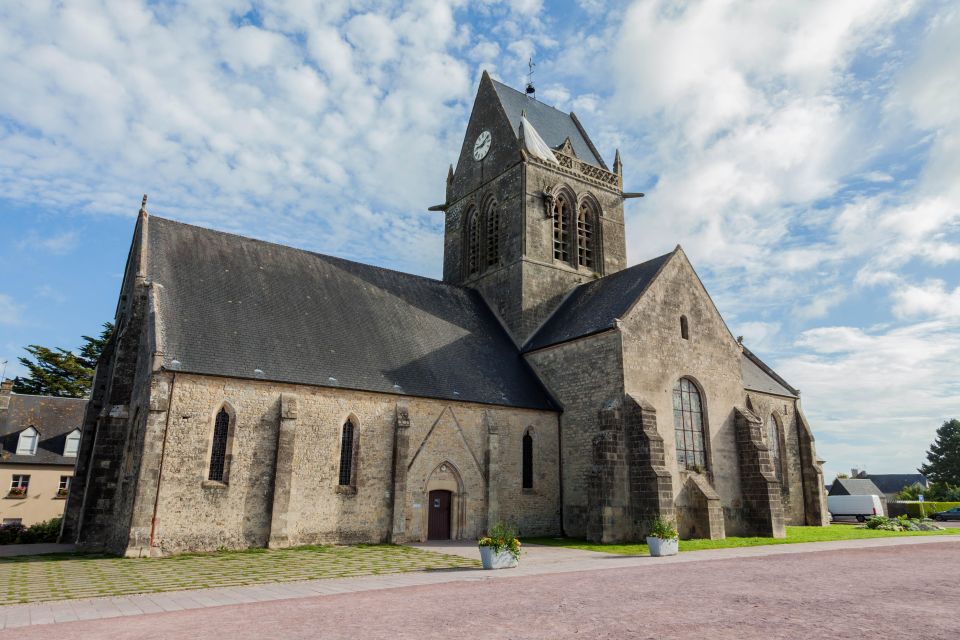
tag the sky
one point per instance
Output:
(805, 155)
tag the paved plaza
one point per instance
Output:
(790, 591)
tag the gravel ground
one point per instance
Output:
(848, 593)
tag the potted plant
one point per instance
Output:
(663, 539)
(18, 492)
(500, 548)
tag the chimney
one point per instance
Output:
(6, 389)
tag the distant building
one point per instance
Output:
(857, 487)
(892, 483)
(39, 439)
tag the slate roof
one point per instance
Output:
(231, 305)
(595, 306)
(854, 487)
(757, 376)
(53, 417)
(553, 125)
(894, 482)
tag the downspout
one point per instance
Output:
(163, 451)
(563, 531)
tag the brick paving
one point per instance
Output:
(52, 577)
(794, 591)
(536, 561)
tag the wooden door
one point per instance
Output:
(438, 524)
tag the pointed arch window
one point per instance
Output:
(561, 228)
(218, 450)
(586, 235)
(688, 425)
(473, 242)
(528, 461)
(27, 442)
(346, 454)
(773, 445)
(493, 234)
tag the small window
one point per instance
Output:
(218, 452)
(72, 444)
(19, 485)
(64, 487)
(346, 454)
(27, 443)
(684, 328)
(527, 461)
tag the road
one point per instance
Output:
(843, 593)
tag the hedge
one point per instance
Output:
(40, 532)
(912, 509)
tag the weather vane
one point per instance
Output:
(531, 91)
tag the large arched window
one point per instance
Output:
(527, 461)
(218, 451)
(561, 228)
(586, 235)
(27, 442)
(493, 234)
(773, 445)
(688, 426)
(473, 242)
(346, 454)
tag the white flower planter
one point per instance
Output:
(660, 547)
(493, 560)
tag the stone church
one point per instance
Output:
(259, 395)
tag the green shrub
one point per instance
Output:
(502, 538)
(913, 509)
(663, 529)
(37, 533)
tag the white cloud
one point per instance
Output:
(932, 299)
(10, 311)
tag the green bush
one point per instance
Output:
(663, 529)
(913, 509)
(37, 533)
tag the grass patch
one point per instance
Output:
(794, 535)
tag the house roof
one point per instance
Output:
(894, 482)
(854, 487)
(757, 376)
(230, 306)
(53, 417)
(595, 306)
(553, 125)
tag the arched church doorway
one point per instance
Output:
(438, 523)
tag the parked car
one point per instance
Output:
(859, 507)
(949, 514)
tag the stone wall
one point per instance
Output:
(784, 411)
(655, 357)
(290, 495)
(582, 375)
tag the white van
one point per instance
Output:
(859, 507)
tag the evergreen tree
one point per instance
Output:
(943, 458)
(60, 372)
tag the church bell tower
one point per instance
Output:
(532, 210)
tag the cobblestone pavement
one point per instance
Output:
(790, 591)
(51, 577)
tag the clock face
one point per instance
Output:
(482, 145)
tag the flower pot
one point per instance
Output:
(493, 560)
(660, 547)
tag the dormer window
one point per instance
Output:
(27, 443)
(72, 445)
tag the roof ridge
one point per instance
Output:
(154, 218)
(521, 93)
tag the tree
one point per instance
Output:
(943, 458)
(60, 372)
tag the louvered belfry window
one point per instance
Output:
(561, 229)
(493, 234)
(688, 426)
(218, 453)
(527, 461)
(346, 454)
(586, 223)
(473, 242)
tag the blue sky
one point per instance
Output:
(804, 154)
